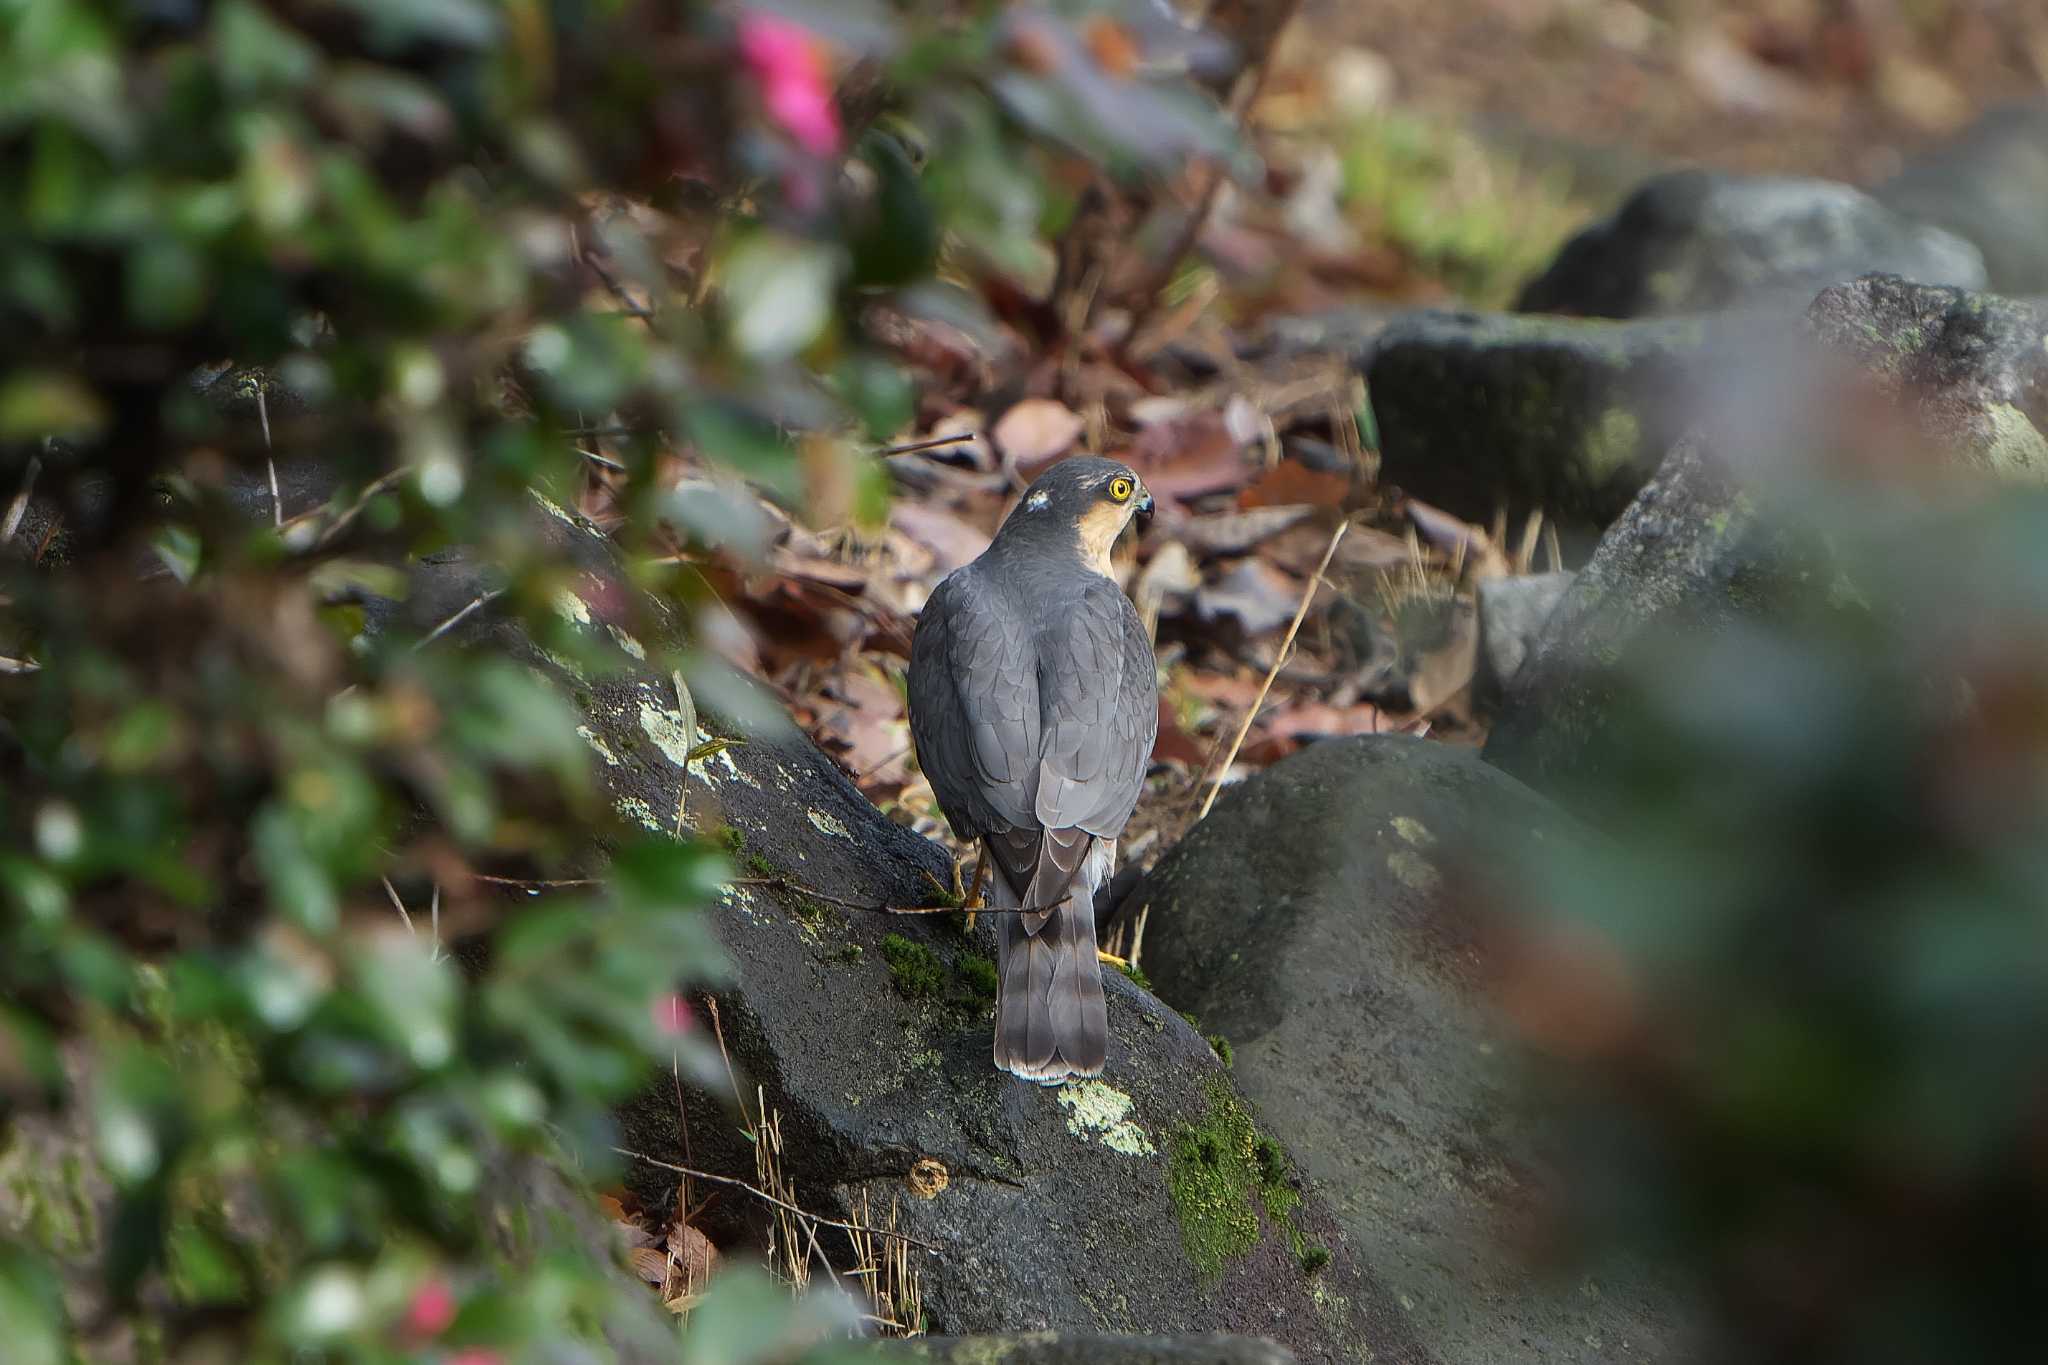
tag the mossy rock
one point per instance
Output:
(1697, 241)
(1084, 1348)
(1305, 919)
(1483, 412)
(1073, 1209)
(1695, 551)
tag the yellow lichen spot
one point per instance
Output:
(572, 607)
(1413, 832)
(1105, 1113)
(554, 509)
(596, 741)
(721, 762)
(633, 808)
(928, 1178)
(825, 824)
(1416, 872)
(664, 725)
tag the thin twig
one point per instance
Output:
(270, 460)
(534, 884)
(370, 490)
(392, 892)
(763, 1195)
(458, 618)
(18, 509)
(1191, 231)
(618, 290)
(929, 443)
(798, 888)
(604, 461)
(1286, 645)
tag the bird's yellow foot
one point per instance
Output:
(972, 897)
(1112, 959)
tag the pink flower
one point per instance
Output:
(672, 1017)
(431, 1309)
(789, 65)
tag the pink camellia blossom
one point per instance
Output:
(789, 65)
(672, 1015)
(431, 1310)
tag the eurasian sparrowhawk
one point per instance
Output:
(1033, 704)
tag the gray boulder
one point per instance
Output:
(1695, 551)
(1151, 1200)
(1511, 615)
(1480, 412)
(1700, 241)
(1060, 1348)
(1305, 921)
(1988, 184)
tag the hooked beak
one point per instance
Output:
(1142, 513)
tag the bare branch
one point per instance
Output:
(784, 1204)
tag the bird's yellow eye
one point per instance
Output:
(1120, 489)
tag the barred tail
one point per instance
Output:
(1052, 1023)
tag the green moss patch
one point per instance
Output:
(914, 970)
(918, 973)
(1221, 1172)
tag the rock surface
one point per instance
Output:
(1151, 1200)
(1701, 241)
(1478, 412)
(1692, 552)
(1988, 184)
(1511, 615)
(1057, 1348)
(1304, 921)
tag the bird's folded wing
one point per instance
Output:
(1099, 703)
(974, 710)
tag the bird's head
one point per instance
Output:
(1088, 498)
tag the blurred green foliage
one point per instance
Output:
(1798, 1004)
(446, 242)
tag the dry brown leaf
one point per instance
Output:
(952, 540)
(1291, 481)
(1316, 719)
(1036, 431)
(1188, 457)
(1463, 543)
(649, 1263)
(1174, 744)
(695, 1257)
(1234, 533)
(1254, 594)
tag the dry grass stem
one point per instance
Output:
(18, 508)
(1251, 714)
(738, 1184)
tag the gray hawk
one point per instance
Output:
(1033, 706)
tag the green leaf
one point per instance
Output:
(778, 293)
(256, 53)
(167, 283)
(38, 403)
(299, 886)
(32, 1306)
